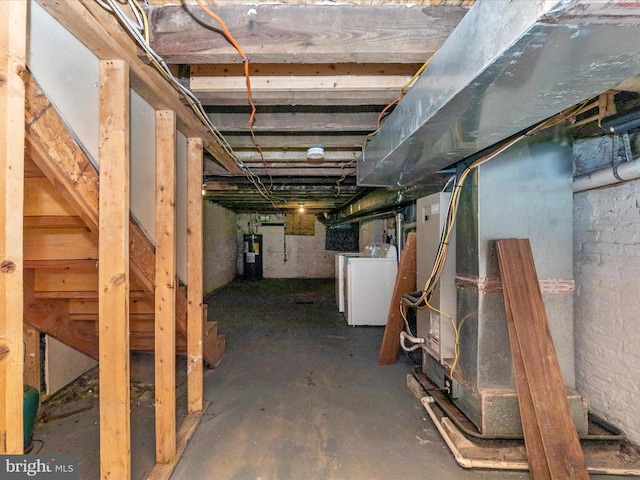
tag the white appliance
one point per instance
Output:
(436, 329)
(340, 261)
(369, 280)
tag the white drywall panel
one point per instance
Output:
(69, 74)
(219, 245)
(142, 148)
(182, 206)
(63, 365)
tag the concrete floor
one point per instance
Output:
(298, 395)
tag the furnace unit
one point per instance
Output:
(524, 192)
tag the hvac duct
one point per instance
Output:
(529, 61)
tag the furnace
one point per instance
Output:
(524, 192)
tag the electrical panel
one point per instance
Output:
(435, 327)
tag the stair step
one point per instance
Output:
(211, 329)
(213, 350)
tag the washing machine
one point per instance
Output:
(369, 281)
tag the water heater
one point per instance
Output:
(252, 256)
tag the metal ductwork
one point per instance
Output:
(507, 66)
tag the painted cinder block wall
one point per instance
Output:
(607, 302)
(219, 246)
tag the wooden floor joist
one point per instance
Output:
(551, 440)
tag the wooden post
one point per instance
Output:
(113, 277)
(405, 283)
(13, 28)
(165, 308)
(195, 319)
(32, 357)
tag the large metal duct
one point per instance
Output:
(507, 66)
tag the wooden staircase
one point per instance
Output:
(61, 245)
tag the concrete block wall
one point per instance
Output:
(305, 254)
(219, 245)
(607, 302)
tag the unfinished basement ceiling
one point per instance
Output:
(321, 74)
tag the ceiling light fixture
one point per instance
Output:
(301, 207)
(315, 154)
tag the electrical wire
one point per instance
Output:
(142, 39)
(245, 60)
(403, 91)
(423, 301)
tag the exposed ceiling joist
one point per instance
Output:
(286, 84)
(295, 121)
(285, 33)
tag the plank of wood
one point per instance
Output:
(41, 198)
(163, 471)
(287, 122)
(51, 316)
(59, 244)
(50, 222)
(115, 422)
(195, 320)
(559, 439)
(303, 33)
(13, 34)
(405, 283)
(32, 357)
(532, 436)
(165, 295)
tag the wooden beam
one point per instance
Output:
(424, 3)
(165, 309)
(295, 122)
(103, 35)
(340, 90)
(291, 71)
(240, 141)
(195, 321)
(277, 170)
(13, 41)
(405, 283)
(300, 84)
(115, 421)
(322, 34)
(299, 155)
(163, 471)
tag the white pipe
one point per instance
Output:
(605, 177)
